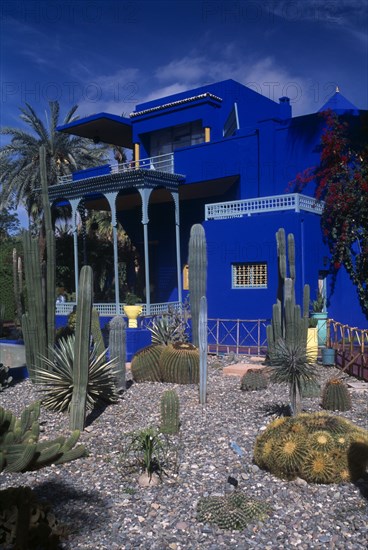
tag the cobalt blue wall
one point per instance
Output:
(252, 239)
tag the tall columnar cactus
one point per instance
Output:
(38, 324)
(202, 333)
(288, 332)
(169, 412)
(197, 261)
(17, 285)
(82, 349)
(117, 347)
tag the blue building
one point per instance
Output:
(221, 155)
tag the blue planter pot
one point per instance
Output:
(328, 357)
(321, 327)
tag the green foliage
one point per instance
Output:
(145, 366)
(318, 447)
(5, 378)
(26, 523)
(147, 448)
(6, 279)
(232, 512)
(20, 450)
(179, 363)
(253, 380)
(97, 333)
(57, 379)
(132, 299)
(169, 412)
(336, 396)
(168, 329)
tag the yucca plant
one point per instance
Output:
(168, 329)
(56, 378)
(291, 364)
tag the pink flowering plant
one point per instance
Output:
(341, 181)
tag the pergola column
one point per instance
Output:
(175, 196)
(74, 204)
(111, 197)
(145, 194)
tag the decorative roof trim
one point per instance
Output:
(175, 103)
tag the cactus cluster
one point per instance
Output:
(169, 412)
(232, 512)
(38, 323)
(318, 447)
(177, 363)
(288, 332)
(336, 396)
(253, 380)
(5, 378)
(25, 522)
(20, 450)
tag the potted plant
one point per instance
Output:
(132, 309)
(320, 314)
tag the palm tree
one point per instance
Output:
(19, 159)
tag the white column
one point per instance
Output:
(111, 197)
(175, 196)
(74, 204)
(145, 194)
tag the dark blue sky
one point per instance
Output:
(109, 55)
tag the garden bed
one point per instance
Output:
(102, 506)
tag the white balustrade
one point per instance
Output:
(275, 203)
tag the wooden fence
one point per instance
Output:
(351, 345)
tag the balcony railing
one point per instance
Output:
(275, 203)
(161, 163)
(109, 310)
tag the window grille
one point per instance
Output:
(247, 275)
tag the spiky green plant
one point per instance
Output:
(145, 366)
(310, 388)
(253, 380)
(117, 346)
(232, 512)
(57, 378)
(166, 330)
(290, 364)
(197, 261)
(336, 396)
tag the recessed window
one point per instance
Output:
(247, 275)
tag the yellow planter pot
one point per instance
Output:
(312, 344)
(132, 312)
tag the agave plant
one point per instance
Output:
(168, 329)
(56, 377)
(290, 363)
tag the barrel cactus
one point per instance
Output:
(145, 365)
(318, 447)
(169, 412)
(335, 396)
(232, 512)
(180, 363)
(253, 380)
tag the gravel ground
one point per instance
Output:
(101, 505)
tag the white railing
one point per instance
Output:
(161, 163)
(109, 310)
(237, 209)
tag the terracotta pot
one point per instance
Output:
(145, 480)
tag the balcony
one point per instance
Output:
(275, 203)
(161, 163)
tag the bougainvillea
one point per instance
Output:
(341, 180)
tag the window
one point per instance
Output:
(247, 275)
(168, 140)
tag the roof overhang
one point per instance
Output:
(102, 127)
